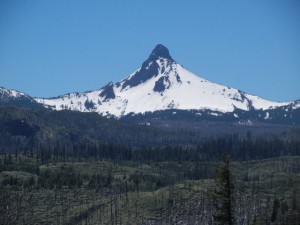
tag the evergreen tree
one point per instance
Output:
(223, 194)
(275, 210)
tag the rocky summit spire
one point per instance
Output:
(160, 51)
(150, 68)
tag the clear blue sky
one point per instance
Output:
(49, 48)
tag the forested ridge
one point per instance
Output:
(81, 168)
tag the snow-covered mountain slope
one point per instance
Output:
(7, 94)
(160, 84)
(13, 97)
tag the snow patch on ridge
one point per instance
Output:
(11, 93)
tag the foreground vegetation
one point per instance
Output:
(129, 192)
(75, 168)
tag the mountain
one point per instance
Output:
(16, 98)
(162, 84)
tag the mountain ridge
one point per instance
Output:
(159, 84)
(17, 98)
(162, 84)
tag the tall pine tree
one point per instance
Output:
(223, 194)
